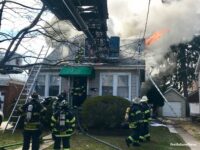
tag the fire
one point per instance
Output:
(155, 36)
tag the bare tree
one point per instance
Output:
(22, 23)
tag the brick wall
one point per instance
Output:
(10, 93)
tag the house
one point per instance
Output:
(10, 87)
(176, 106)
(11, 66)
(122, 76)
(193, 99)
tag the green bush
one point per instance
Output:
(103, 112)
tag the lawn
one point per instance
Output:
(9, 138)
(161, 139)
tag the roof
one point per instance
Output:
(193, 97)
(12, 78)
(175, 91)
(67, 52)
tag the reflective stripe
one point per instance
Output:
(44, 109)
(55, 129)
(63, 135)
(130, 138)
(142, 138)
(70, 130)
(20, 109)
(147, 135)
(73, 120)
(137, 112)
(132, 125)
(53, 119)
(36, 114)
(147, 111)
(32, 126)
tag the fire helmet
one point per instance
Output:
(34, 95)
(144, 99)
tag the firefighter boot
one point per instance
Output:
(128, 142)
(136, 144)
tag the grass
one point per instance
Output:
(9, 138)
(161, 139)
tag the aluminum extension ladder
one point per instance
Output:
(26, 91)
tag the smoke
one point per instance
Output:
(180, 17)
(59, 31)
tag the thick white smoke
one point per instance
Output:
(180, 17)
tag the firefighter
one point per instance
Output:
(78, 93)
(146, 112)
(133, 116)
(57, 103)
(63, 125)
(32, 126)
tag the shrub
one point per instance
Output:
(103, 112)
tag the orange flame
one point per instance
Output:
(155, 36)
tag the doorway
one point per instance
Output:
(79, 90)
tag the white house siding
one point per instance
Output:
(194, 108)
(93, 83)
(135, 84)
(199, 83)
(176, 101)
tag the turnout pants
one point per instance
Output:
(134, 136)
(33, 135)
(61, 140)
(144, 131)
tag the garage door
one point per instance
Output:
(167, 111)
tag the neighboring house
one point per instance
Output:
(197, 73)
(10, 87)
(176, 106)
(120, 77)
(193, 100)
(11, 65)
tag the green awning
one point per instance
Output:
(76, 71)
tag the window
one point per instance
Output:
(122, 86)
(54, 82)
(40, 85)
(117, 84)
(107, 84)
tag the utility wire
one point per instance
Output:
(147, 17)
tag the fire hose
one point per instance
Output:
(91, 136)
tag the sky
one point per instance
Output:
(127, 19)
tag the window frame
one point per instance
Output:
(47, 82)
(115, 82)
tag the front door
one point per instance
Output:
(79, 90)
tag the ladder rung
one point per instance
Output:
(15, 116)
(23, 97)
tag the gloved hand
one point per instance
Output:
(126, 116)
